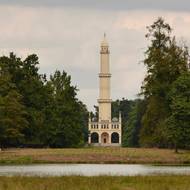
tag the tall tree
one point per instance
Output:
(69, 114)
(12, 113)
(124, 106)
(165, 61)
(51, 114)
(133, 124)
(178, 124)
(29, 84)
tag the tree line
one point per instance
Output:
(37, 111)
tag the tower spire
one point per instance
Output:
(104, 88)
(104, 41)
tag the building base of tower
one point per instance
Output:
(104, 133)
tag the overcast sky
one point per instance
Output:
(66, 35)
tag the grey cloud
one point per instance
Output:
(175, 5)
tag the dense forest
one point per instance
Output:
(36, 112)
(41, 111)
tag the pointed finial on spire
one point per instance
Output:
(104, 41)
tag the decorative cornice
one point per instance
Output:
(104, 75)
(104, 52)
(104, 100)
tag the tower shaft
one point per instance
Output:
(104, 86)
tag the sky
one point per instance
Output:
(66, 35)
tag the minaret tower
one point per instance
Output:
(104, 130)
(104, 80)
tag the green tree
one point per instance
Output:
(12, 113)
(30, 85)
(69, 115)
(178, 124)
(124, 106)
(165, 61)
(133, 124)
(45, 112)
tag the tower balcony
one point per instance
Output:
(104, 100)
(104, 75)
(105, 126)
(104, 50)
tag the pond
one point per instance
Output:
(91, 170)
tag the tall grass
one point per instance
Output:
(96, 183)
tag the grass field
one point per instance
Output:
(94, 155)
(96, 183)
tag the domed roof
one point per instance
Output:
(115, 119)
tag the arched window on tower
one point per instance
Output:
(94, 138)
(114, 138)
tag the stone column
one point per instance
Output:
(100, 138)
(109, 138)
(89, 138)
(120, 139)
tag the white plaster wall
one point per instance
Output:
(104, 60)
(105, 111)
(104, 88)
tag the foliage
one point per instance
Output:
(178, 124)
(133, 125)
(165, 62)
(124, 106)
(12, 113)
(68, 113)
(131, 112)
(36, 111)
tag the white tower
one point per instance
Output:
(104, 131)
(104, 88)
